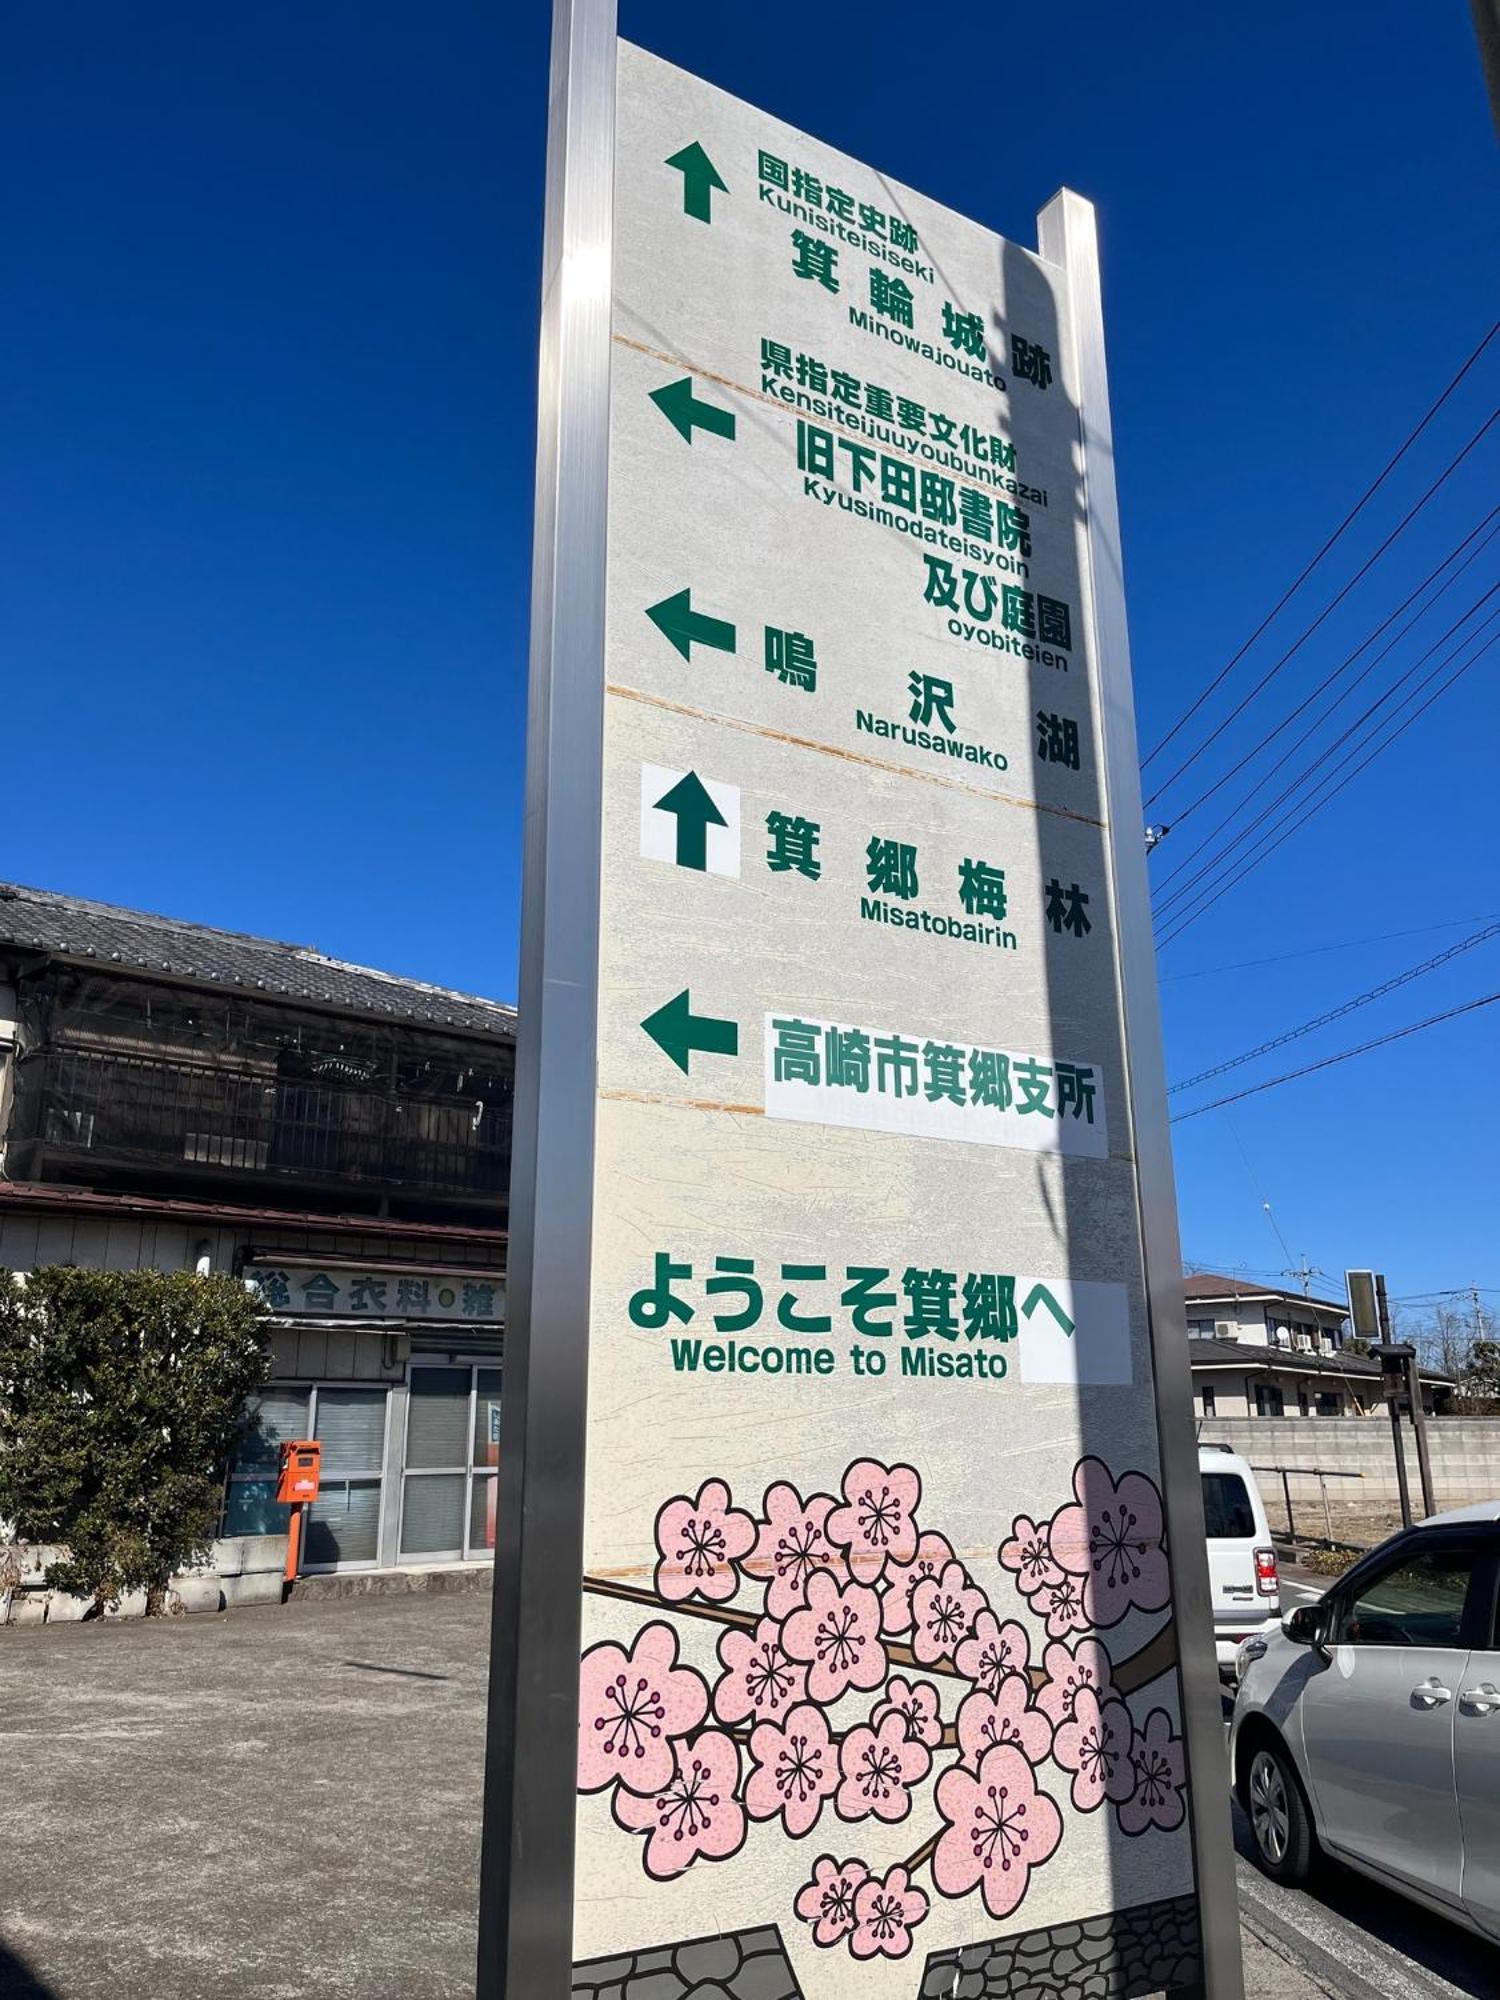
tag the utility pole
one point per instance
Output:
(1400, 1374)
(1392, 1361)
(1306, 1273)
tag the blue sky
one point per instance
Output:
(266, 386)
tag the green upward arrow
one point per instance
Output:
(683, 410)
(696, 812)
(677, 621)
(677, 1031)
(699, 178)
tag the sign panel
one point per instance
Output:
(339, 1292)
(1364, 1310)
(880, 1681)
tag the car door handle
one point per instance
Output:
(1431, 1693)
(1483, 1700)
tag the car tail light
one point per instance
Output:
(1266, 1579)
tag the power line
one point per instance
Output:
(1491, 522)
(1267, 844)
(1320, 950)
(1344, 1055)
(1332, 605)
(1287, 595)
(1321, 757)
(1321, 762)
(1348, 1007)
(1272, 839)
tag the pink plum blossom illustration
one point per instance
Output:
(999, 1827)
(1007, 1717)
(837, 1633)
(837, 1586)
(992, 1651)
(877, 1523)
(886, 1912)
(934, 1553)
(1094, 1744)
(827, 1901)
(878, 1768)
(1112, 1539)
(631, 1707)
(944, 1610)
(791, 1542)
(1061, 1604)
(700, 1543)
(796, 1769)
(1159, 1778)
(696, 1813)
(758, 1677)
(1084, 1664)
(916, 1702)
(1028, 1554)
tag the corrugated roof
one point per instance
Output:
(74, 928)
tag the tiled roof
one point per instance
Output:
(73, 928)
(1205, 1285)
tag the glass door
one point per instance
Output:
(452, 1452)
(343, 1523)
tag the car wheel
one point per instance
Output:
(1278, 1816)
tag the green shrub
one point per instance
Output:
(120, 1395)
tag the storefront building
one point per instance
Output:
(189, 1099)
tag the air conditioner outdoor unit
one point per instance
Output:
(1223, 1329)
(1304, 1343)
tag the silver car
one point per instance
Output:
(1368, 1724)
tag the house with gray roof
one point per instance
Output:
(181, 1096)
(1259, 1351)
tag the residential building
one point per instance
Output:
(1258, 1351)
(187, 1098)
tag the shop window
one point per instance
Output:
(452, 1452)
(273, 1417)
(343, 1523)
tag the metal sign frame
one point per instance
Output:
(525, 1932)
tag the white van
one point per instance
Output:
(1242, 1575)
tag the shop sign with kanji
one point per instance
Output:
(333, 1291)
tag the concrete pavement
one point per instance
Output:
(281, 1803)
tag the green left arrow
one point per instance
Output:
(699, 179)
(677, 621)
(677, 1031)
(691, 803)
(686, 412)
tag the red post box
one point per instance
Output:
(301, 1467)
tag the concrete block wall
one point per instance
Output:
(244, 1569)
(1465, 1454)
